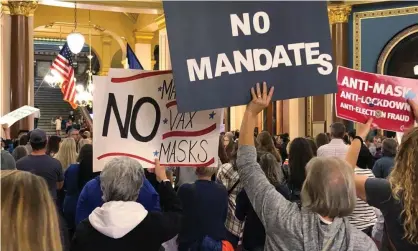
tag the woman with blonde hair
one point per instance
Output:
(396, 197)
(83, 142)
(29, 219)
(67, 153)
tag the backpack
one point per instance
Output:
(209, 244)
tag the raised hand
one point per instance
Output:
(260, 99)
(160, 171)
(364, 129)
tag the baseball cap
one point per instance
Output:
(37, 136)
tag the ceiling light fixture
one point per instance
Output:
(75, 39)
(84, 96)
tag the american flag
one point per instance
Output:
(63, 66)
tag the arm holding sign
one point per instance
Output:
(167, 224)
(8, 143)
(353, 153)
(354, 150)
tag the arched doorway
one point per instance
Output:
(48, 98)
(400, 57)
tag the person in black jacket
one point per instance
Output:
(365, 159)
(123, 224)
(254, 234)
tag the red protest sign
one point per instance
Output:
(362, 95)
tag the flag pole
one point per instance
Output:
(43, 80)
(41, 83)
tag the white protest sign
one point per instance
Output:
(16, 115)
(135, 115)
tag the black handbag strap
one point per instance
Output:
(233, 187)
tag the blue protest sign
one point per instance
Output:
(219, 50)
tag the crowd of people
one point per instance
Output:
(337, 191)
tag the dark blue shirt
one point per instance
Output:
(383, 167)
(91, 197)
(205, 205)
(45, 166)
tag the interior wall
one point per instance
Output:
(297, 118)
(377, 25)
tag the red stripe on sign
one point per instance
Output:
(139, 76)
(171, 103)
(211, 161)
(189, 134)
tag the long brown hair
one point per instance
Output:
(270, 166)
(221, 151)
(29, 218)
(404, 183)
(321, 139)
(265, 143)
(230, 147)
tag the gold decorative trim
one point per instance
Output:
(144, 37)
(49, 39)
(359, 16)
(391, 45)
(338, 13)
(160, 21)
(5, 9)
(309, 116)
(106, 39)
(23, 8)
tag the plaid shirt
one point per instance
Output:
(228, 177)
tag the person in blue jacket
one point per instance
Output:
(75, 177)
(91, 197)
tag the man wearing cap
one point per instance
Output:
(41, 164)
(336, 147)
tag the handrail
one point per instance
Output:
(87, 117)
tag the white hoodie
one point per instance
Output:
(117, 218)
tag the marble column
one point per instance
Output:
(338, 18)
(143, 48)
(5, 60)
(297, 118)
(21, 66)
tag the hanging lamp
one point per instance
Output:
(84, 96)
(75, 40)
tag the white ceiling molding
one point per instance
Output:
(103, 7)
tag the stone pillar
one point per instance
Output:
(21, 66)
(5, 60)
(164, 55)
(143, 48)
(338, 18)
(106, 55)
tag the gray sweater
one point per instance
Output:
(288, 227)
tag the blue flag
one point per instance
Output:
(132, 59)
